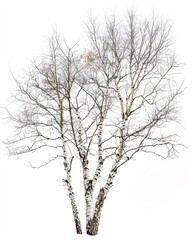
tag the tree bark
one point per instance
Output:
(92, 226)
(78, 226)
(74, 208)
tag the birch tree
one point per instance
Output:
(104, 104)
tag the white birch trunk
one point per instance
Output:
(86, 175)
(100, 132)
(68, 180)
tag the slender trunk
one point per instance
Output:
(67, 168)
(89, 201)
(73, 204)
(75, 214)
(78, 226)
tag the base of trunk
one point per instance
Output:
(78, 227)
(93, 224)
(93, 227)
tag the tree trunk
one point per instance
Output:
(78, 226)
(76, 216)
(93, 224)
(75, 211)
(73, 204)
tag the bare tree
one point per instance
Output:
(103, 104)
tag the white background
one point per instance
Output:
(152, 198)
